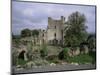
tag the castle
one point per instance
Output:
(54, 34)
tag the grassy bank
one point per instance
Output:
(83, 58)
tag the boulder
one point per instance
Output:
(74, 51)
(74, 63)
(52, 57)
(41, 62)
(33, 55)
(77, 51)
(52, 64)
(70, 53)
(86, 49)
(30, 64)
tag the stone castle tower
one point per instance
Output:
(53, 35)
(55, 31)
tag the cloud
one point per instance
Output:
(35, 15)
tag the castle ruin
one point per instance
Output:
(54, 34)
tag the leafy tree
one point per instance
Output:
(13, 37)
(75, 31)
(35, 33)
(25, 33)
(91, 41)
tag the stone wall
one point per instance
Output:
(55, 29)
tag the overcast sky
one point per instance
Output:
(35, 15)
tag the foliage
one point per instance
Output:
(25, 33)
(29, 50)
(63, 54)
(53, 59)
(21, 62)
(43, 51)
(75, 32)
(35, 33)
(13, 37)
(82, 59)
(28, 32)
(91, 41)
(16, 42)
(93, 55)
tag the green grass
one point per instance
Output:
(21, 62)
(82, 58)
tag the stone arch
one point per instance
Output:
(21, 55)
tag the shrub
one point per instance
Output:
(21, 62)
(63, 54)
(93, 55)
(53, 59)
(29, 50)
(80, 59)
(43, 51)
(16, 42)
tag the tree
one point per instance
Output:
(25, 33)
(35, 33)
(75, 31)
(91, 41)
(13, 37)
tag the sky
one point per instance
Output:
(35, 15)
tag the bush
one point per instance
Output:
(80, 59)
(93, 55)
(21, 62)
(43, 51)
(53, 59)
(29, 50)
(16, 42)
(63, 54)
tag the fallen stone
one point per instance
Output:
(52, 64)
